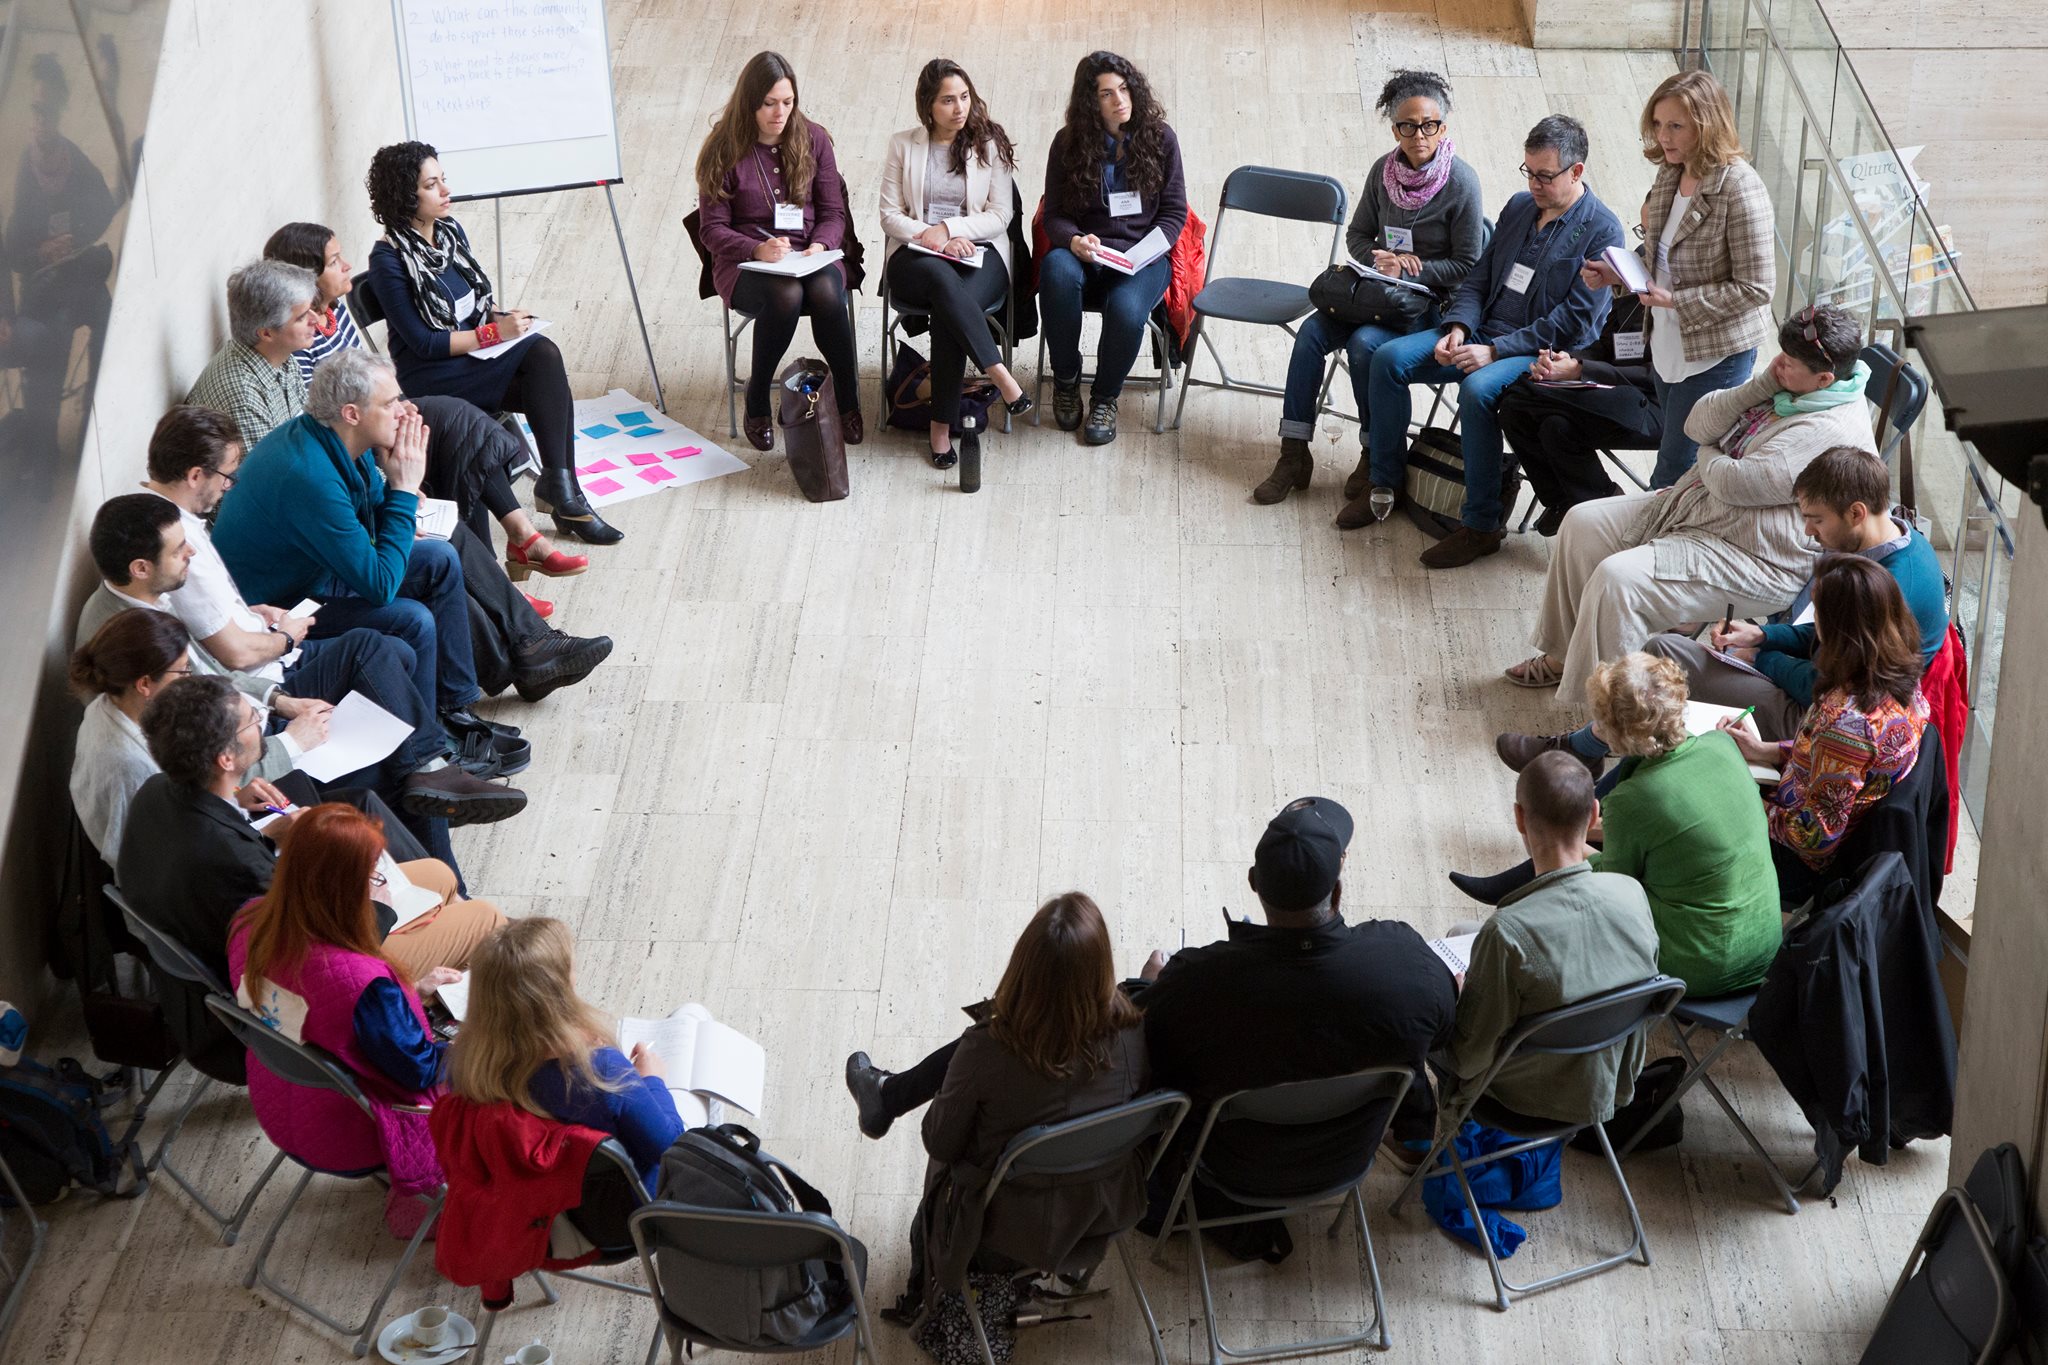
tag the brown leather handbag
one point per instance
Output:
(807, 410)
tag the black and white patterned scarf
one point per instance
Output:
(424, 263)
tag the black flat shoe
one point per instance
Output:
(1024, 403)
(945, 459)
(864, 1082)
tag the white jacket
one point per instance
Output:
(988, 208)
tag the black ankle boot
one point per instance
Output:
(556, 493)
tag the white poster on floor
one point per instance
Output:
(626, 448)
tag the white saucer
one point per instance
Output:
(461, 1332)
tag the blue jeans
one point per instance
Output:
(1675, 450)
(1067, 288)
(384, 669)
(430, 614)
(1319, 335)
(1409, 360)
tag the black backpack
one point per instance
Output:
(725, 1168)
(52, 1137)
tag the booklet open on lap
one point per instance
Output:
(1146, 250)
(707, 1062)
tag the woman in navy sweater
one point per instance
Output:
(528, 1039)
(1112, 177)
(439, 310)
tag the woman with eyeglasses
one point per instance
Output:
(946, 188)
(129, 660)
(768, 188)
(1713, 271)
(1727, 537)
(1112, 178)
(1419, 217)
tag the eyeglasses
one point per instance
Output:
(1426, 128)
(377, 879)
(223, 476)
(184, 672)
(255, 719)
(1543, 177)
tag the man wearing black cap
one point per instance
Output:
(1302, 996)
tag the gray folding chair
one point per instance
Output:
(17, 1274)
(753, 1239)
(1293, 1104)
(1162, 351)
(734, 385)
(1952, 1304)
(1900, 392)
(1594, 1024)
(1001, 315)
(174, 959)
(305, 1065)
(1091, 1143)
(1294, 196)
(612, 1192)
(1727, 1016)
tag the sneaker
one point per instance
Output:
(1518, 751)
(1101, 428)
(1066, 404)
(864, 1082)
(556, 660)
(460, 798)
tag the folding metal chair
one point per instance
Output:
(363, 302)
(734, 385)
(753, 1239)
(1590, 1025)
(612, 1192)
(305, 1065)
(1001, 315)
(1162, 352)
(1953, 1301)
(1900, 392)
(1293, 1104)
(1091, 1143)
(1266, 192)
(174, 959)
(17, 1275)
(1727, 1016)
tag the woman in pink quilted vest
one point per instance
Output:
(306, 959)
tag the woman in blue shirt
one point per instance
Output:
(528, 1039)
(439, 310)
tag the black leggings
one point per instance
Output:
(957, 297)
(540, 392)
(775, 303)
(906, 1090)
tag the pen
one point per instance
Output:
(1745, 714)
(1728, 621)
(275, 810)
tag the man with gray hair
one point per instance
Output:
(253, 378)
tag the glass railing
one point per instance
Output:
(1854, 230)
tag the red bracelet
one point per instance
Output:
(487, 335)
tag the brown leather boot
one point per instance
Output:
(1290, 471)
(1360, 477)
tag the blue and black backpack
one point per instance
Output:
(52, 1136)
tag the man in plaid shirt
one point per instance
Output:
(253, 378)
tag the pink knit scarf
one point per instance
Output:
(1410, 188)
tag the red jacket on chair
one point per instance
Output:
(1187, 262)
(510, 1175)
(1946, 685)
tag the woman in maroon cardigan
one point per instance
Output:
(768, 187)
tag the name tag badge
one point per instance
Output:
(1629, 346)
(1519, 277)
(789, 217)
(1400, 239)
(1125, 204)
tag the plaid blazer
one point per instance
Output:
(1724, 268)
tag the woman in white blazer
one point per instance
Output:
(946, 188)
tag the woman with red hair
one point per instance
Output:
(308, 959)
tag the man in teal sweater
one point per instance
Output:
(1842, 496)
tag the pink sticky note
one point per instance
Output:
(655, 475)
(603, 487)
(684, 452)
(645, 459)
(597, 467)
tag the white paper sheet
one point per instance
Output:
(438, 519)
(795, 265)
(1703, 717)
(359, 733)
(1146, 250)
(980, 254)
(534, 327)
(406, 900)
(1456, 951)
(704, 1057)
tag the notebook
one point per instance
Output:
(1629, 266)
(706, 1061)
(980, 254)
(406, 900)
(1703, 717)
(795, 265)
(438, 519)
(534, 328)
(1456, 952)
(1148, 249)
(1398, 281)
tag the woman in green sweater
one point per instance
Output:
(1684, 819)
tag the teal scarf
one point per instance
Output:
(1820, 400)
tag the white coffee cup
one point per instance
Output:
(536, 1354)
(430, 1326)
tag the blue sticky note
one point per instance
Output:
(644, 431)
(632, 419)
(600, 431)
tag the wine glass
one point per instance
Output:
(1382, 503)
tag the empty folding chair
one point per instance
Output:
(1093, 1142)
(1290, 1105)
(1954, 1302)
(305, 1065)
(1263, 191)
(176, 960)
(1900, 392)
(1590, 1025)
(1727, 1016)
(686, 1236)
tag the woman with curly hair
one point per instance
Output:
(1682, 817)
(768, 186)
(439, 310)
(946, 187)
(1112, 177)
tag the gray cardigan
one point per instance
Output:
(1449, 229)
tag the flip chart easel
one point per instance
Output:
(516, 96)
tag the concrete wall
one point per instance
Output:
(226, 159)
(1636, 25)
